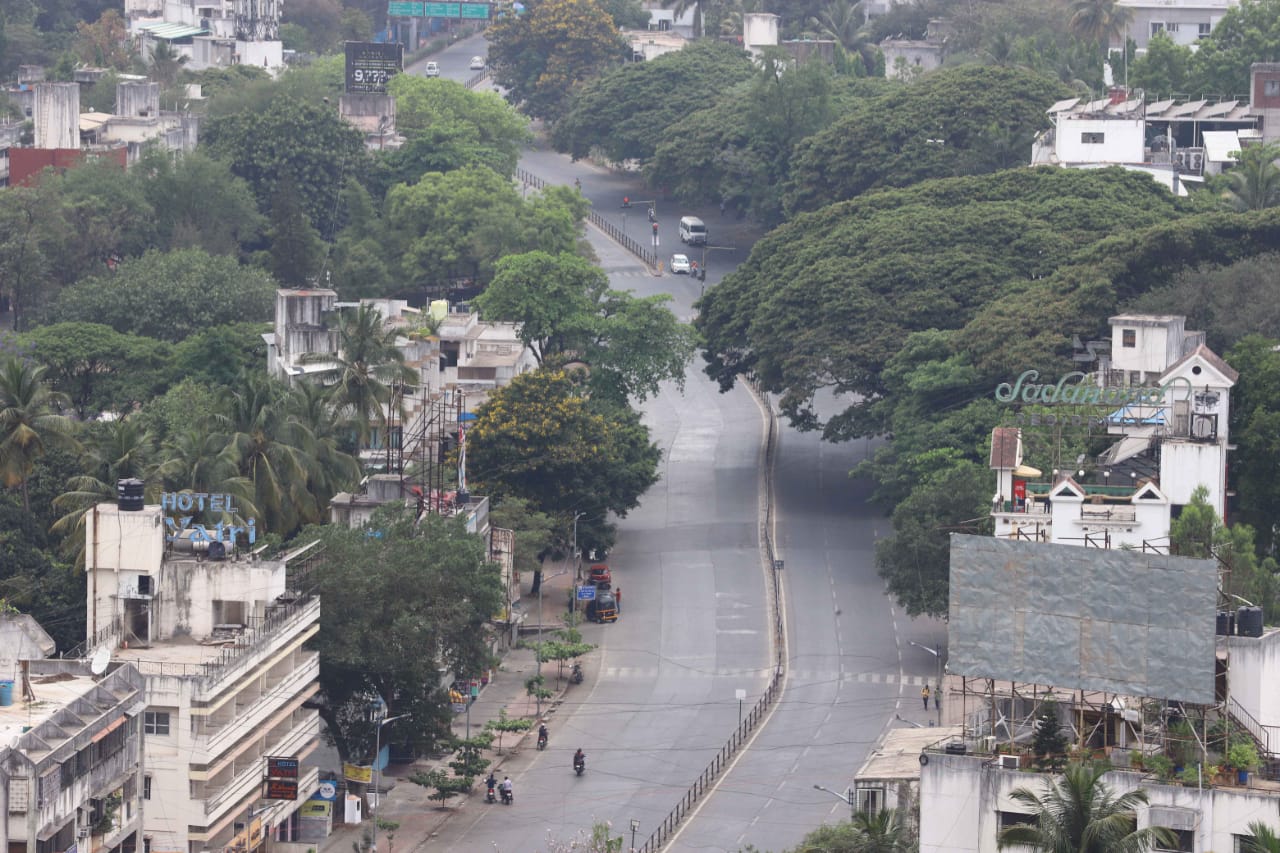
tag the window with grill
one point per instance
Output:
(1093, 138)
(1204, 29)
(1271, 88)
(1129, 338)
(156, 723)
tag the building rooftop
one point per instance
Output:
(897, 756)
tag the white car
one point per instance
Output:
(477, 63)
(679, 264)
(432, 70)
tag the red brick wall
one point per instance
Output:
(26, 164)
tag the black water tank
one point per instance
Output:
(217, 551)
(129, 495)
(955, 748)
(1226, 623)
(1249, 621)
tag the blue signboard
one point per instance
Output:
(586, 593)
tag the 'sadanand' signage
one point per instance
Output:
(371, 64)
(1076, 389)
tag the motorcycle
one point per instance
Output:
(575, 677)
(579, 765)
(542, 741)
(507, 797)
(490, 796)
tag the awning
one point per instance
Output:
(173, 31)
(1137, 416)
(1219, 145)
(115, 724)
(1026, 472)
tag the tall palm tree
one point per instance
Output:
(1099, 22)
(1078, 813)
(266, 445)
(1264, 839)
(1255, 183)
(334, 469)
(116, 451)
(845, 22)
(682, 6)
(362, 375)
(29, 422)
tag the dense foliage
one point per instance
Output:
(628, 111)
(957, 121)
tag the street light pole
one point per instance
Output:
(377, 775)
(846, 798)
(635, 825)
(937, 685)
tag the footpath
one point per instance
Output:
(420, 818)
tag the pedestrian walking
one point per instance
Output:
(924, 696)
(937, 697)
(617, 598)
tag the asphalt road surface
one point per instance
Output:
(694, 626)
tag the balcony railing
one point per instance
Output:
(1108, 513)
(257, 636)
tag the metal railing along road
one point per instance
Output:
(666, 830)
(635, 247)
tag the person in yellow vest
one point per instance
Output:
(924, 696)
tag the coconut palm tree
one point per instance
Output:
(882, 832)
(30, 422)
(682, 6)
(334, 470)
(1080, 814)
(115, 451)
(845, 22)
(366, 368)
(1255, 183)
(266, 445)
(1099, 22)
(1263, 840)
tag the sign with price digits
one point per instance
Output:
(370, 65)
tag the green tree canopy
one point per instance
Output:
(1163, 69)
(540, 439)
(1248, 33)
(460, 223)
(565, 310)
(98, 368)
(416, 597)
(294, 141)
(169, 295)
(478, 126)
(825, 300)
(198, 203)
(544, 54)
(629, 110)
(953, 121)
(31, 422)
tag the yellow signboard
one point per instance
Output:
(356, 773)
(253, 837)
(315, 808)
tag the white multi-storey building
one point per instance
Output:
(220, 637)
(70, 748)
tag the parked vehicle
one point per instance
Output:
(432, 69)
(599, 573)
(604, 608)
(477, 63)
(679, 264)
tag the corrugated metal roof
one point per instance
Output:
(173, 31)
(1062, 106)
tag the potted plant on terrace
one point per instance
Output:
(1243, 756)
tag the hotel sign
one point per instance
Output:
(200, 501)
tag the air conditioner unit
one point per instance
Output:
(82, 832)
(1197, 163)
(1008, 762)
(1180, 159)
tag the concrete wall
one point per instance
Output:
(1123, 140)
(1184, 465)
(57, 115)
(1157, 343)
(1255, 675)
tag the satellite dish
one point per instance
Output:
(101, 658)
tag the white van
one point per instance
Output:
(693, 231)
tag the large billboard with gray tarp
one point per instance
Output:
(1083, 618)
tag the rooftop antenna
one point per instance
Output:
(101, 659)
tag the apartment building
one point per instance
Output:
(219, 634)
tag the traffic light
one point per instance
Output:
(626, 201)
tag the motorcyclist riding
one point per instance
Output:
(490, 784)
(579, 760)
(542, 736)
(507, 795)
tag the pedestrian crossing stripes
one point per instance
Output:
(801, 676)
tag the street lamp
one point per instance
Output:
(539, 655)
(705, 249)
(577, 564)
(937, 654)
(635, 826)
(846, 798)
(377, 776)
